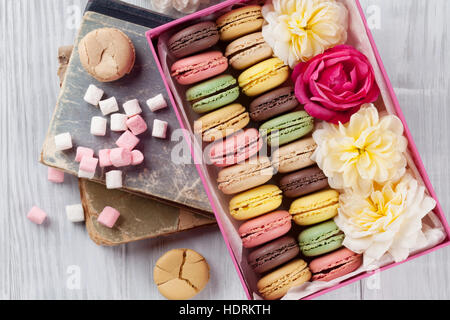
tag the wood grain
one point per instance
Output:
(413, 40)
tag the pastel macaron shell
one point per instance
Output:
(255, 202)
(276, 284)
(320, 239)
(273, 103)
(315, 208)
(303, 182)
(193, 39)
(239, 22)
(263, 77)
(213, 93)
(294, 156)
(335, 265)
(196, 68)
(247, 51)
(273, 254)
(287, 128)
(265, 228)
(250, 174)
(235, 149)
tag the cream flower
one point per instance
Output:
(365, 150)
(388, 220)
(298, 30)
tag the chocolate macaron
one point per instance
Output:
(303, 182)
(273, 254)
(273, 103)
(193, 39)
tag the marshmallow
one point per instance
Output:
(136, 157)
(119, 122)
(159, 129)
(88, 164)
(157, 103)
(55, 175)
(137, 125)
(132, 107)
(104, 158)
(114, 179)
(85, 174)
(98, 126)
(120, 157)
(108, 217)
(63, 141)
(93, 95)
(109, 106)
(75, 213)
(127, 140)
(83, 152)
(36, 215)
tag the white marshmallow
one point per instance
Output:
(114, 179)
(75, 213)
(132, 108)
(93, 95)
(109, 106)
(119, 122)
(157, 103)
(63, 141)
(98, 126)
(86, 175)
(159, 129)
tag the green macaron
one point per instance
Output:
(320, 239)
(287, 128)
(212, 94)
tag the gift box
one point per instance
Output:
(435, 227)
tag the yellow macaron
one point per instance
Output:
(315, 208)
(263, 77)
(255, 202)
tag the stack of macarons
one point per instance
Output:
(219, 60)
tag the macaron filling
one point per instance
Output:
(284, 281)
(193, 37)
(199, 67)
(330, 237)
(261, 169)
(235, 152)
(223, 89)
(295, 155)
(241, 18)
(246, 50)
(274, 103)
(263, 76)
(273, 255)
(255, 202)
(345, 263)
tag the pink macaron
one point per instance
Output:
(264, 229)
(335, 265)
(199, 67)
(236, 148)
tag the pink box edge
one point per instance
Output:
(413, 148)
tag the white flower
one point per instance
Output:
(365, 150)
(298, 30)
(388, 220)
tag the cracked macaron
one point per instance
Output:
(193, 39)
(200, 67)
(320, 239)
(180, 274)
(239, 22)
(221, 123)
(107, 54)
(213, 94)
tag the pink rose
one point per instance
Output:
(335, 84)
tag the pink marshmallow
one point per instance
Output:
(83, 152)
(127, 140)
(88, 164)
(55, 175)
(36, 215)
(104, 158)
(108, 217)
(137, 125)
(137, 157)
(120, 157)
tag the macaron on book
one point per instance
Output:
(300, 143)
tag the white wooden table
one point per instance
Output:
(46, 262)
